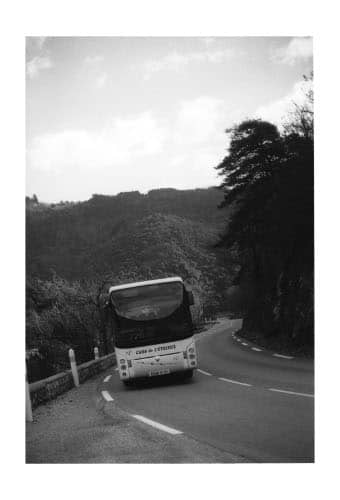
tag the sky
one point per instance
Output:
(111, 114)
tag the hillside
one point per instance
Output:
(165, 230)
(76, 250)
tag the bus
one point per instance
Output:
(152, 328)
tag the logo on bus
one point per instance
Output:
(165, 347)
(142, 351)
(156, 349)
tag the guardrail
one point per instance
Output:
(49, 388)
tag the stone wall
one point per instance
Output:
(49, 388)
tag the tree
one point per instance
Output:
(255, 148)
(268, 180)
(250, 181)
(301, 120)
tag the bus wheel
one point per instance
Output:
(127, 383)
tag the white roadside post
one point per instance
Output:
(73, 367)
(96, 353)
(29, 415)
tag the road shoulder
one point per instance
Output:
(81, 427)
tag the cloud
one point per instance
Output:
(101, 80)
(37, 64)
(35, 44)
(278, 111)
(208, 41)
(141, 151)
(199, 121)
(298, 49)
(198, 140)
(37, 56)
(126, 140)
(93, 59)
(175, 61)
(93, 67)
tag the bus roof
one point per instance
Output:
(145, 283)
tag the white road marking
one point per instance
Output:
(244, 343)
(282, 356)
(256, 349)
(294, 393)
(106, 395)
(233, 381)
(204, 373)
(161, 427)
(106, 379)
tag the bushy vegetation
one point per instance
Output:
(59, 316)
(268, 178)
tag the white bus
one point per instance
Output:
(153, 330)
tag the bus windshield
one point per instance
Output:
(149, 302)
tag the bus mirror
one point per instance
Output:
(191, 298)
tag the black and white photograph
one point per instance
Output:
(169, 250)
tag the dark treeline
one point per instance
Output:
(268, 179)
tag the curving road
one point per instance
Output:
(243, 401)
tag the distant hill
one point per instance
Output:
(131, 236)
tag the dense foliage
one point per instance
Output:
(268, 178)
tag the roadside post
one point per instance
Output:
(73, 367)
(96, 353)
(29, 415)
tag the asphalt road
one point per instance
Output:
(256, 421)
(231, 411)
